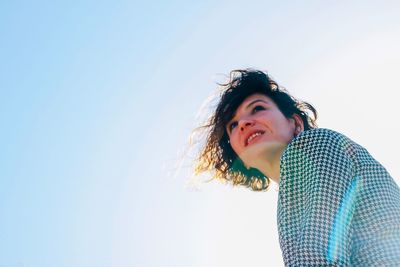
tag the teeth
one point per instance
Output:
(254, 135)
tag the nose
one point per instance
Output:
(243, 124)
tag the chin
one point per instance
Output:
(259, 152)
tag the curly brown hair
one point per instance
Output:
(217, 155)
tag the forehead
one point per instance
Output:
(251, 99)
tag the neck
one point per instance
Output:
(268, 160)
(271, 169)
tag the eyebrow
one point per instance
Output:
(255, 101)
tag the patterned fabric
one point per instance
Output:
(337, 205)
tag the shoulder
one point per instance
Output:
(317, 148)
(317, 141)
(318, 135)
(317, 163)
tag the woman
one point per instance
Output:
(337, 205)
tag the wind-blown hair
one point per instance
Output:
(217, 155)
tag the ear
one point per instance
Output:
(298, 124)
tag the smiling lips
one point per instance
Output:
(252, 136)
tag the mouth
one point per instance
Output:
(253, 136)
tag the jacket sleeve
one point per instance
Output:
(317, 198)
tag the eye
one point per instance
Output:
(257, 108)
(232, 125)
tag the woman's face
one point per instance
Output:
(258, 122)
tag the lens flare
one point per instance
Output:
(341, 223)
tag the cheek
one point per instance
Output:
(234, 140)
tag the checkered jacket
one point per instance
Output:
(337, 205)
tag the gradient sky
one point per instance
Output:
(98, 99)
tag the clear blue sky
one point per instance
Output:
(98, 99)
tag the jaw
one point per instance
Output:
(264, 156)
